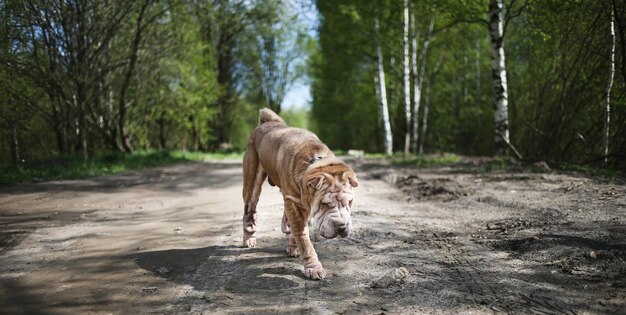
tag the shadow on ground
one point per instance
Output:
(18, 299)
(190, 175)
(220, 267)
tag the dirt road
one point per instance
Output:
(167, 240)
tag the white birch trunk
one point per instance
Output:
(498, 73)
(417, 83)
(406, 79)
(382, 94)
(608, 89)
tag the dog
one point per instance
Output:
(315, 185)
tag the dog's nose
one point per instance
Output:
(343, 230)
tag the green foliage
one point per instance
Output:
(73, 167)
(192, 76)
(142, 74)
(344, 108)
(557, 56)
(296, 117)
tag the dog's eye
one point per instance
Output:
(329, 201)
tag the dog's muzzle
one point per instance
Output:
(332, 222)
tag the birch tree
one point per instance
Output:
(607, 119)
(382, 92)
(429, 82)
(406, 79)
(498, 74)
(418, 79)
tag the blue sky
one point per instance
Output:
(299, 96)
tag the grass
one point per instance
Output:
(428, 160)
(496, 163)
(592, 170)
(398, 158)
(113, 162)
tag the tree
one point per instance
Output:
(405, 76)
(429, 83)
(609, 85)
(498, 73)
(381, 92)
(418, 80)
(275, 56)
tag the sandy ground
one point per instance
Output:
(447, 240)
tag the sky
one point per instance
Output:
(299, 96)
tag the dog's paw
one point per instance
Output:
(315, 272)
(249, 242)
(293, 251)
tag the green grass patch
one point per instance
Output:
(73, 167)
(427, 160)
(591, 170)
(375, 156)
(497, 163)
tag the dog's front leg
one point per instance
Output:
(292, 247)
(298, 217)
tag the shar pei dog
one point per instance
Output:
(314, 183)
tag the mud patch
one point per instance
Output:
(578, 256)
(440, 189)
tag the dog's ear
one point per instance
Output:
(318, 181)
(350, 176)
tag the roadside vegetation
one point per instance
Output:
(72, 167)
(484, 78)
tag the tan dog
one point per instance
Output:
(314, 183)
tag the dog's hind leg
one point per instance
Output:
(253, 177)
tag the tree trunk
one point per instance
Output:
(425, 115)
(194, 134)
(405, 77)
(498, 73)
(418, 79)
(79, 104)
(465, 81)
(618, 19)
(124, 137)
(221, 122)
(15, 146)
(429, 82)
(60, 138)
(414, 73)
(607, 119)
(477, 73)
(161, 122)
(382, 94)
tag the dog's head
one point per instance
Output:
(327, 190)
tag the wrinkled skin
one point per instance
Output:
(331, 208)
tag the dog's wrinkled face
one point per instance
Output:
(330, 197)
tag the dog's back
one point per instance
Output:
(282, 136)
(280, 147)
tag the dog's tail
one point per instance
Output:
(267, 115)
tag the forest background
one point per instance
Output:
(542, 80)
